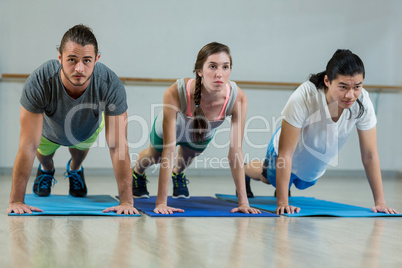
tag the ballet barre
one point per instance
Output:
(248, 84)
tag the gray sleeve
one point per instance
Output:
(33, 97)
(116, 104)
(116, 97)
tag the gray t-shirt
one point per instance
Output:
(69, 121)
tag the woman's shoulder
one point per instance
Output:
(306, 92)
(171, 94)
(171, 90)
(307, 88)
(364, 98)
(364, 95)
(241, 95)
(181, 83)
(186, 79)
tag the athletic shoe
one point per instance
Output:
(77, 181)
(248, 188)
(43, 182)
(180, 182)
(140, 185)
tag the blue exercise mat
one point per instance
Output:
(310, 206)
(64, 205)
(197, 206)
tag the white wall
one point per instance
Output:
(280, 41)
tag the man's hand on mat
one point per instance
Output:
(246, 209)
(126, 209)
(21, 208)
(285, 208)
(383, 208)
(164, 209)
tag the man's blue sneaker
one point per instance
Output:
(140, 185)
(180, 182)
(77, 181)
(43, 182)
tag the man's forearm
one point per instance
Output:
(21, 173)
(122, 172)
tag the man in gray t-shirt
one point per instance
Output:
(67, 102)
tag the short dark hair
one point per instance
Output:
(80, 34)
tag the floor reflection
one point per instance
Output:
(36, 249)
(372, 251)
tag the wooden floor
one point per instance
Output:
(207, 242)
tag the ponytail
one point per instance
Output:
(318, 80)
(200, 122)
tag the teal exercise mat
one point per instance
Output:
(64, 205)
(310, 206)
(195, 206)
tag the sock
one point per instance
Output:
(69, 169)
(41, 169)
(137, 174)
